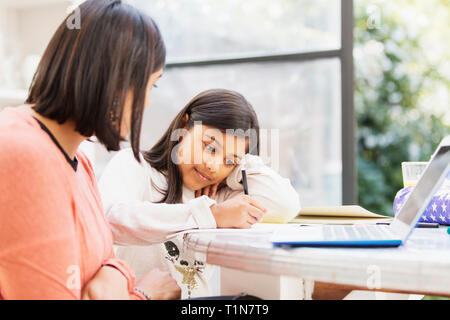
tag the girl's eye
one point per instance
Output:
(155, 86)
(229, 162)
(210, 148)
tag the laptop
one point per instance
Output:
(392, 235)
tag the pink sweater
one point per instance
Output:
(53, 233)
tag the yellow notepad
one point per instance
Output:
(339, 215)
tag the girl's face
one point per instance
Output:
(207, 156)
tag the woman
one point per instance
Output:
(55, 242)
(191, 179)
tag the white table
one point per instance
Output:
(248, 262)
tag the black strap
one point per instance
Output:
(73, 163)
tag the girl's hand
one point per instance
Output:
(107, 284)
(238, 212)
(210, 190)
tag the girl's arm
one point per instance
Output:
(266, 186)
(126, 188)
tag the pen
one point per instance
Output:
(428, 225)
(244, 181)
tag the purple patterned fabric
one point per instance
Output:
(437, 211)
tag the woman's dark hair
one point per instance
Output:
(85, 73)
(217, 108)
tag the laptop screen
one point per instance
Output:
(420, 196)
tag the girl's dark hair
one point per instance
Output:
(85, 73)
(217, 108)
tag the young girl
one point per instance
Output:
(191, 179)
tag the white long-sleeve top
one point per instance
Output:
(142, 226)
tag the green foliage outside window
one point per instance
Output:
(401, 91)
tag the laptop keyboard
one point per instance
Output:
(360, 232)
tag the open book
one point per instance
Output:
(338, 215)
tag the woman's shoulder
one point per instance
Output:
(23, 141)
(17, 128)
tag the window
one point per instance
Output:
(198, 29)
(288, 59)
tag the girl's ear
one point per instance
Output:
(183, 125)
(184, 121)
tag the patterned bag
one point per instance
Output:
(437, 211)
